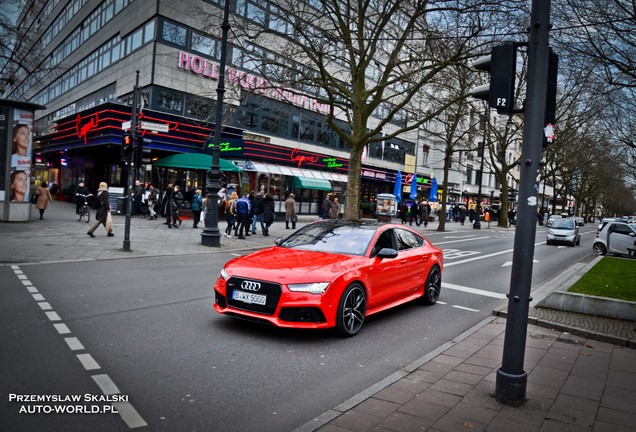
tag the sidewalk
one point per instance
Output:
(575, 383)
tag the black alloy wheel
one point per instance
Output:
(351, 311)
(433, 286)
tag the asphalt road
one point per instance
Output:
(149, 326)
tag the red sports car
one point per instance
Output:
(331, 274)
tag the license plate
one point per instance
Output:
(246, 297)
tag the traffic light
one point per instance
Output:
(551, 93)
(502, 65)
(127, 146)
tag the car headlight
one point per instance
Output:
(224, 275)
(313, 288)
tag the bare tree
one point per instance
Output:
(369, 63)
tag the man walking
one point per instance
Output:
(258, 212)
(243, 209)
(138, 196)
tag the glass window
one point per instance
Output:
(204, 45)
(149, 32)
(407, 239)
(137, 39)
(170, 100)
(173, 33)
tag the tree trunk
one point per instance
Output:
(352, 207)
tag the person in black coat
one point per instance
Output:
(103, 216)
(80, 189)
(268, 213)
(166, 204)
(176, 202)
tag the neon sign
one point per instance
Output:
(332, 162)
(82, 130)
(300, 158)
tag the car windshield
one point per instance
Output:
(331, 237)
(563, 223)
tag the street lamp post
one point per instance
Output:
(211, 236)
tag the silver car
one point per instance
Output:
(563, 231)
(616, 238)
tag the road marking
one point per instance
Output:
(74, 344)
(478, 258)
(473, 291)
(509, 263)
(129, 414)
(465, 308)
(461, 237)
(45, 306)
(88, 362)
(53, 316)
(125, 410)
(462, 240)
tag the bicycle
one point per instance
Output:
(84, 210)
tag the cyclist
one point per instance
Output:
(80, 192)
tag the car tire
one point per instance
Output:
(599, 249)
(352, 310)
(432, 286)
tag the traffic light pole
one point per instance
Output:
(511, 378)
(130, 164)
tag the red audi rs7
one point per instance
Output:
(331, 274)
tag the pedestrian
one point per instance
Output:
(138, 195)
(196, 206)
(230, 213)
(103, 215)
(176, 203)
(415, 213)
(153, 196)
(166, 205)
(268, 213)
(471, 215)
(80, 190)
(335, 208)
(250, 217)
(462, 214)
(326, 207)
(243, 209)
(290, 211)
(44, 198)
(425, 210)
(258, 212)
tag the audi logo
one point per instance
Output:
(250, 285)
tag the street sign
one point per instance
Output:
(159, 127)
(126, 125)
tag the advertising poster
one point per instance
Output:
(4, 124)
(22, 143)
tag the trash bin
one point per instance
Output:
(121, 205)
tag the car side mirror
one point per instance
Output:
(387, 253)
(278, 241)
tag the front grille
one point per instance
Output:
(271, 290)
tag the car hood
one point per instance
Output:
(285, 265)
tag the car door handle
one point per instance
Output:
(403, 262)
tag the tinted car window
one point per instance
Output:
(384, 241)
(563, 224)
(334, 238)
(407, 239)
(621, 229)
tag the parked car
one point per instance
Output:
(605, 221)
(331, 274)
(579, 221)
(615, 238)
(563, 231)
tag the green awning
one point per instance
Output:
(312, 183)
(194, 161)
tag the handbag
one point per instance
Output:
(34, 198)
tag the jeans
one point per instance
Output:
(259, 218)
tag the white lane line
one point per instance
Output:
(62, 328)
(460, 241)
(478, 258)
(74, 344)
(465, 308)
(45, 306)
(88, 362)
(126, 411)
(129, 414)
(107, 385)
(473, 291)
(53, 316)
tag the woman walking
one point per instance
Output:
(230, 214)
(103, 215)
(44, 198)
(196, 207)
(268, 213)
